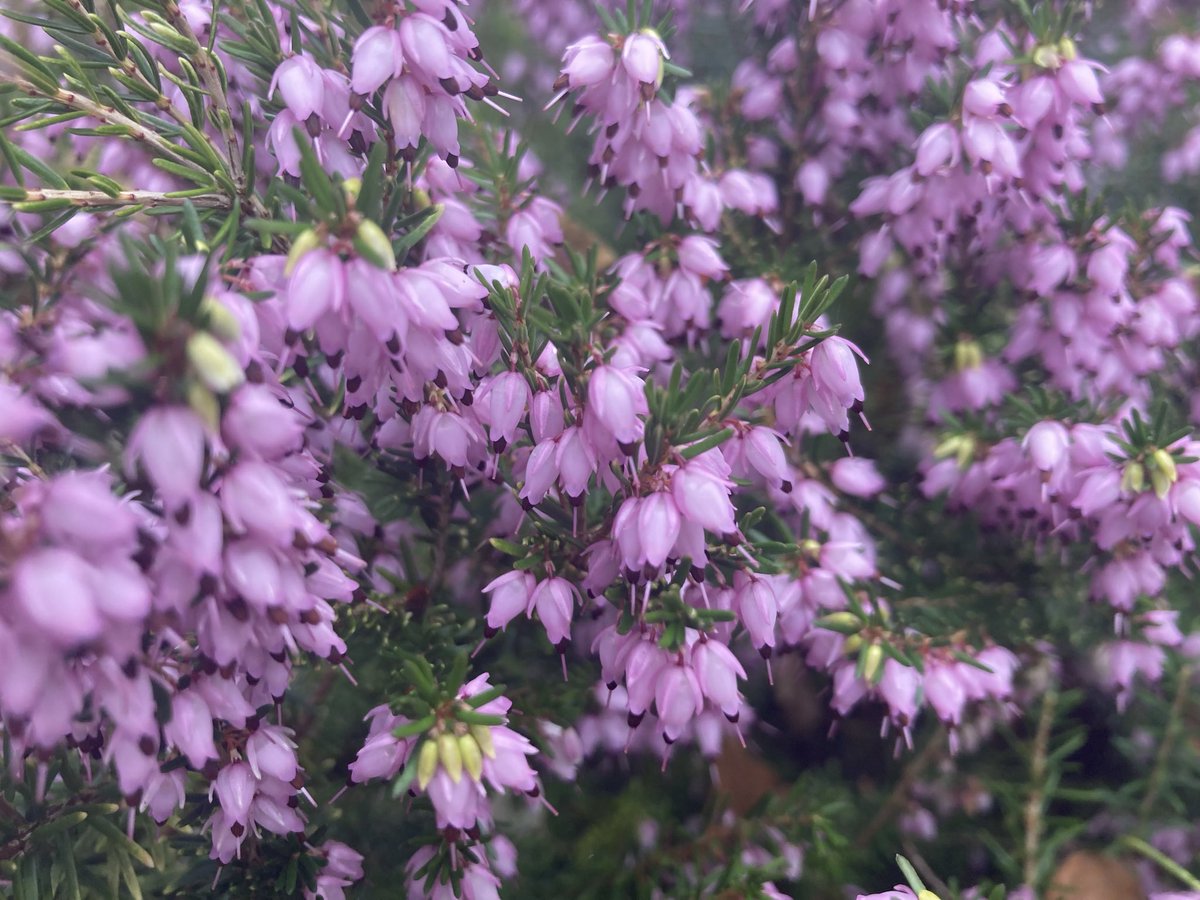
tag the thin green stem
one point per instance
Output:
(1163, 757)
(1137, 845)
(931, 752)
(1035, 805)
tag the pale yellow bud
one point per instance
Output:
(427, 763)
(215, 366)
(1047, 57)
(960, 446)
(205, 404)
(872, 662)
(967, 355)
(950, 446)
(966, 452)
(450, 756)
(1133, 477)
(373, 245)
(483, 737)
(1163, 473)
(842, 622)
(308, 240)
(1165, 463)
(221, 321)
(1160, 482)
(472, 758)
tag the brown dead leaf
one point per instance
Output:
(581, 239)
(744, 777)
(797, 696)
(1090, 876)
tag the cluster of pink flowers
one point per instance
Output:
(219, 553)
(662, 445)
(1145, 92)
(651, 148)
(456, 762)
(421, 61)
(1075, 484)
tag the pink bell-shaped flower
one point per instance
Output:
(378, 55)
(300, 83)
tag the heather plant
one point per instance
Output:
(736, 448)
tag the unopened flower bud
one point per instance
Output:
(967, 355)
(842, 622)
(947, 446)
(1162, 472)
(852, 644)
(373, 245)
(213, 363)
(351, 187)
(451, 757)
(483, 737)
(308, 240)
(205, 404)
(872, 664)
(1133, 478)
(427, 762)
(1066, 48)
(1165, 463)
(472, 758)
(960, 446)
(1047, 57)
(220, 321)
